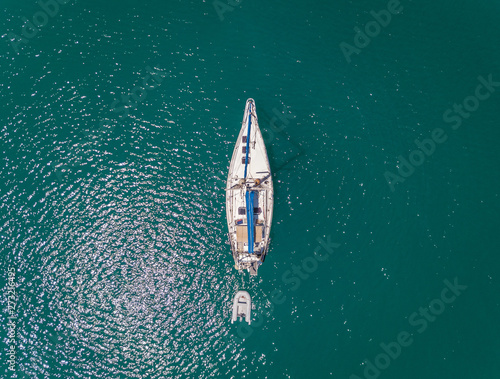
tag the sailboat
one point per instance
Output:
(249, 195)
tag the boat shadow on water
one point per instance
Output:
(279, 144)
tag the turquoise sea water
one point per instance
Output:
(118, 120)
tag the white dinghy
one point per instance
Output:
(242, 306)
(249, 195)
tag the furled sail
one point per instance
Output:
(249, 194)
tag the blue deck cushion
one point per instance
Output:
(250, 221)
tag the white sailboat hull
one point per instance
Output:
(257, 180)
